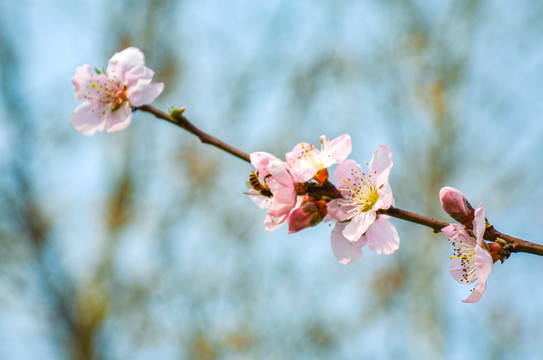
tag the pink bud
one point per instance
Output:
(307, 215)
(456, 205)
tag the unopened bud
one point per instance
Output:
(499, 250)
(456, 205)
(307, 215)
(176, 113)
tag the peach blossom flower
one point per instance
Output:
(109, 95)
(305, 160)
(472, 260)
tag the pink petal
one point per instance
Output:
(381, 164)
(144, 93)
(139, 73)
(284, 199)
(339, 210)
(303, 162)
(282, 187)
(449, 231)
(260, 161)
(278, 170)
(479, 223)
(382, 236)
(345, 251)
(259, 200)
(96, 88)
(477, 293)
(336, 151)
(456, 269)
(458, 233)
(130, 59)
(483, 263)
(88, 118)
(386, 199)
(359, 225)
(273, 222)
(119, 119)
(343, 171)
(81, 80)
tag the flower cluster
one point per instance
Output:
(298, 191)
(472, 259)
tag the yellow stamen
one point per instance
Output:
(94, 85)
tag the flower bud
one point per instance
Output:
(456, 205)
(307, 215)
(499, 250)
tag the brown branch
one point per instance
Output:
(518, 245)
(435, 225)
(181, 121)
(491, 234)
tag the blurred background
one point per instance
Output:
(141, 244)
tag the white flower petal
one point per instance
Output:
(340, 209)
(88, 118)
(381, 164)
(82, 80)
(345, 251)
(382, 236)
(483, 263)
(344, 171)
(456, 269)
(477, 293)
(459, 234)
(119, 119)
(144, 93)
(479, 224)
(359, 225)
(335, 151)
(122, 62)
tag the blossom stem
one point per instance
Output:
(491, 234)
(181, 121)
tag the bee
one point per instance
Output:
(254, 183)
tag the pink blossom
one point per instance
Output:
(305, 160)
(472, 260)
(273, 174)
(456, 205)
(109, 95)
(381, 237)
(362, 194)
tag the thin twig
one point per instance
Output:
(181, 121)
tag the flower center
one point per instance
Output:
(466, 254)
(362, 190)
(308, 157)
(112, 93)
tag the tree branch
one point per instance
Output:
(181, 121)
(177, 118)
